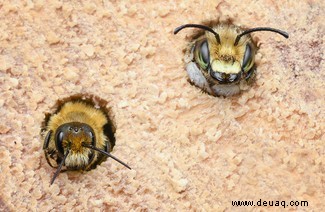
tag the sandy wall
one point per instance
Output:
(187, 150)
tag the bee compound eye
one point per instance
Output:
(60, 137)
(247, 56)
(58, 141)
(91, 135)
(205, 53)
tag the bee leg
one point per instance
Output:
(50, 155)
(47, 139)
(93, 162)
(205, 91)
(197, 78)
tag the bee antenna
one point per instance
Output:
(283, 33)
(60, 166)
(107, 154)
(198, 26)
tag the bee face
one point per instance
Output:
(78, 136)
(74, 136)
(221, 61)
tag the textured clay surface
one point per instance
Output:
(188, 151)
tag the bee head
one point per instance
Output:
(217, 55)
(73, 136)
(76, 140)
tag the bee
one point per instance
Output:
(221, 61)
(79, 135)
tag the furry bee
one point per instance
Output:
(221, 61)
(79, 135)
